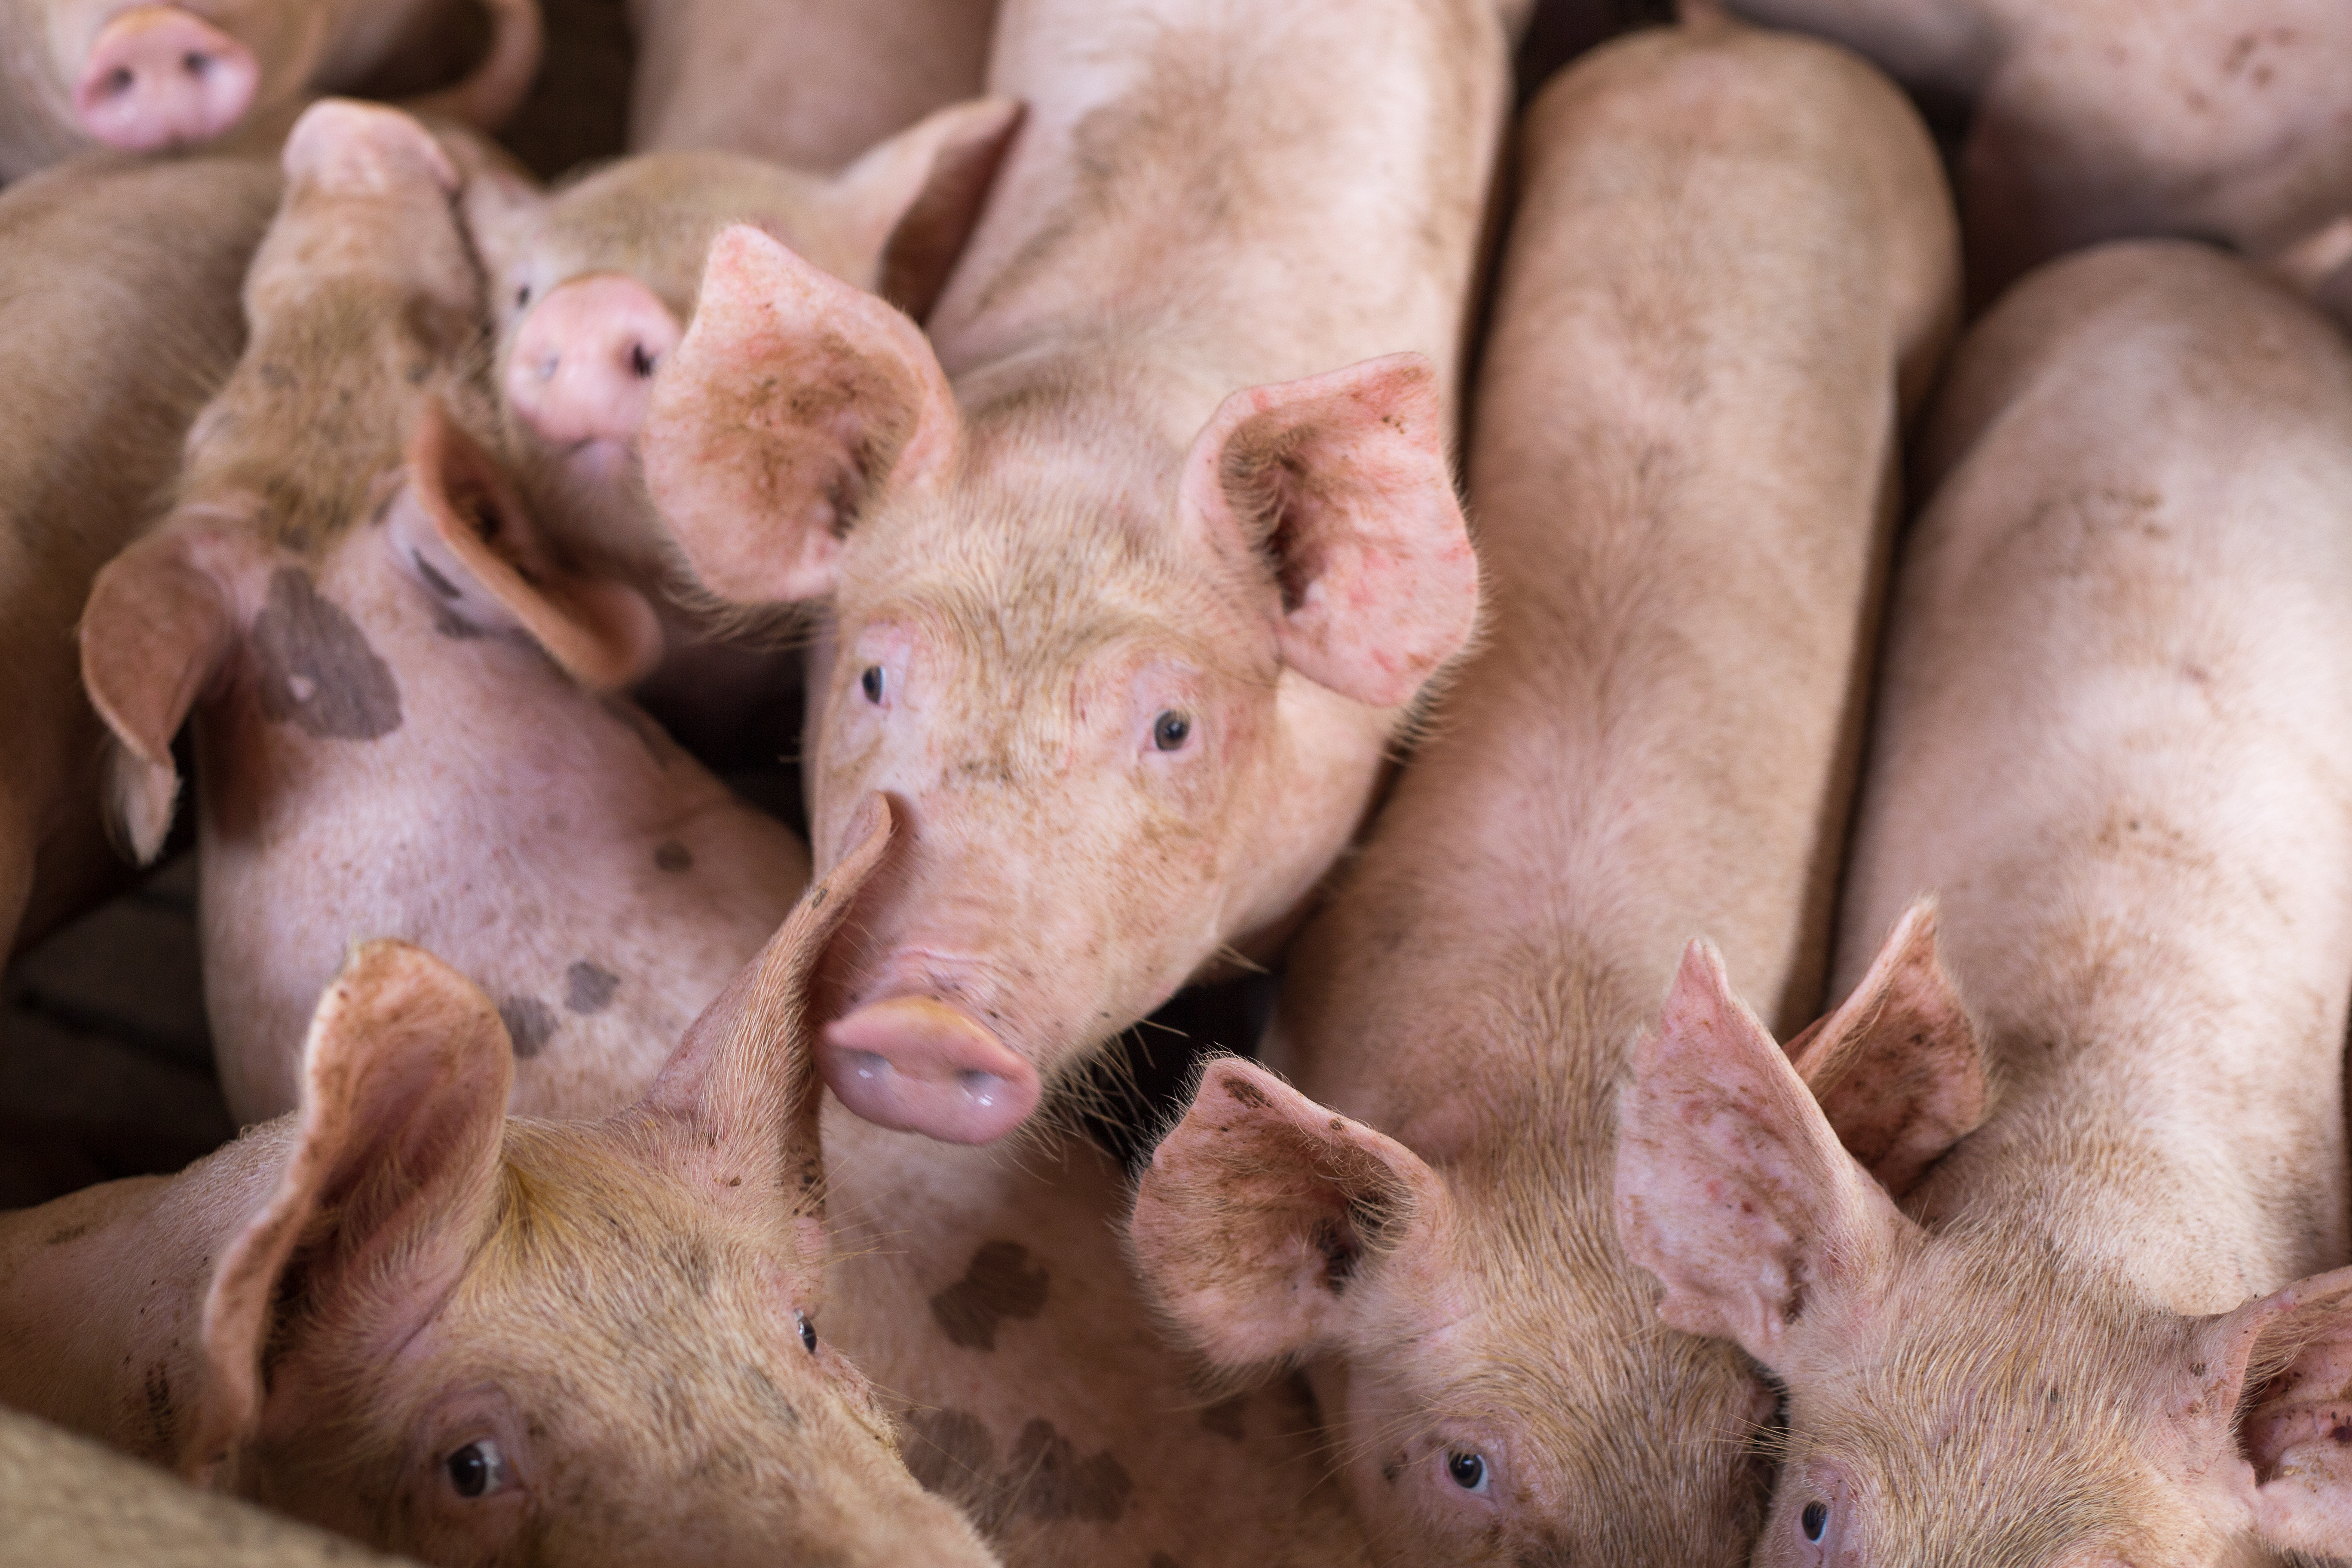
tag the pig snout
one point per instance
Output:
(918, 1065)
(583, 361)
(159, 76)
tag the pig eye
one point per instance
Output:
(808, 1332)
(871, 683)
(522, 296)
(477, 1469)
(1468, 1471)
(1169, 730)
(1814, 1520)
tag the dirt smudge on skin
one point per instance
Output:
(669, 855)
(1000, 1284)
(318, 671)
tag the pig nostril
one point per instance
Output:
(640, 362)
(195, 64)
(117, 81)
(982, 1088)
(869, 1066)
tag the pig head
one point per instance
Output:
(1960, 1395)
(148, 76)
(592, 284)
(1132, 699)
(399, 1314)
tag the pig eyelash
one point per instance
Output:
(1469, 1471)
(1814, 1520)
(478, 1470)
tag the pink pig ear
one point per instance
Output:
(467, 536)
(739, 1097)
(390, 1177)
(1731, 1186)
(1341, 483)
(792, 402)
(154, 632)
(1897, 1067)
(2282, 1365)
(909, 203)
(1259, 1208)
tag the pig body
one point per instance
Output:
(2108, 744)
(805, 83)
(81, 74)
(1126, 631)
(1684, 464)
(2096, 119)
(118, 317)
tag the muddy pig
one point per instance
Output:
(2110, 741)
(79, 74)
(2092, 120)
(590, 285)
(117, 319)
(396, 677)
(1128, 590)
(1732, 271)
(491, 1340)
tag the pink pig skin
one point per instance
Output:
(2108, 744)
(118, 321)
(2099, 119)
(1732, 273)
(78, 74)
(1125, 592)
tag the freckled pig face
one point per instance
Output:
(1132, 697)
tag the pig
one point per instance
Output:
(803, 83)
(67, 1499)
(2091, 120)
(1730, 278)
(371, 627)
(81, 74)
(399, 1314)
(2101, 1075)
(119, 319)
(1127, 615)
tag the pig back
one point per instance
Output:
(2111, 740)
(1732, 270)
(118, 316)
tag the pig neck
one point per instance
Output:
(545, 840)
(101, 1294)
(1197, 183)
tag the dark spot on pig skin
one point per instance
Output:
(1000, 1284)
(70, 1233)
(1226, 1420)
(1051, 1482)
(672, 856)
(531, 1021)
(1248, 1093)
(1339, 1255)
(276, 377)
(773, 1398)
(433, 579)
(589, 989)
(160, 1417)
(317, 669)
(949, 1452)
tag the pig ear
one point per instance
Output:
(1260, 1207)
(1731, 1186)
(2282, 1365)
(742, 1092)
(1340, 482)
(1896, 1067)
(391, 1175)
(465, 536)
(909, 203)
(344, 144)
(155, 631)
(792, 401)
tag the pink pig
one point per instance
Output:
(400, 1314)
(78, 74)
(2111, 740)
(1128, 592)
(2098, 119)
